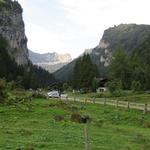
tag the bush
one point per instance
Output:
(65, 86)
(37, 94)
(136, 86)
(115, 87)
(11, 85)
(78, 118)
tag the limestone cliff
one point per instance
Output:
(12, 29)
(124, 36)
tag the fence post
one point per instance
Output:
(117, 103)
(94, 100)
(66, 98)
(145, 109)
(105, 101)
(128, 105)
(85, 100)
(86, 138)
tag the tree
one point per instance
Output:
(114, 87)
(65, 86)
(33, 81)
(2, 89)
(94, 84)
(84, 72)
(136, 86)
(141, 64)
(139, 75)
(28, 76)
(120, 68)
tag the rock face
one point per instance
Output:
(50, 61)
(12, 29)
(125, 36)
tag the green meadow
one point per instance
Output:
(36, 127)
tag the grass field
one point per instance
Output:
(36, 129)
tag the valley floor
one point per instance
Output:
(36, 128)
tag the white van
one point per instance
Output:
(54, 94)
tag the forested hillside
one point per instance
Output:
(127, 37)
(28, 76)
(132, 71)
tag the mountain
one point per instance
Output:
(15, 65)
(124, 36)
(66, 72)
(12, 29)
(50, 61)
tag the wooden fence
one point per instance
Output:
(105, 101)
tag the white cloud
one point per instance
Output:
(94, 14)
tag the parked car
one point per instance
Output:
(53, 94)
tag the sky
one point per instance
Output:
(71, 26)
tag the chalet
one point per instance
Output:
(102, 84)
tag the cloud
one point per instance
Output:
(94, 13)
(74, 25)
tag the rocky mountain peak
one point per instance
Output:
(50, 61)
(12, 29)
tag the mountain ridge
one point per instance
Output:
(50, 61)
(124, 36)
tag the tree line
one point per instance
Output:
(29, 76)
(132, 71)
(126, 71)
(84, 74)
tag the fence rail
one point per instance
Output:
(105, 101)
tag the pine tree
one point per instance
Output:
(120, 68)
(84, 72)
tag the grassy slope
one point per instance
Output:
(110, 129)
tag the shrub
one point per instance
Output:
(38, 95)
(11, 85)
(136, 86)
(115, 87)
(75, 117)
(65, 86)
